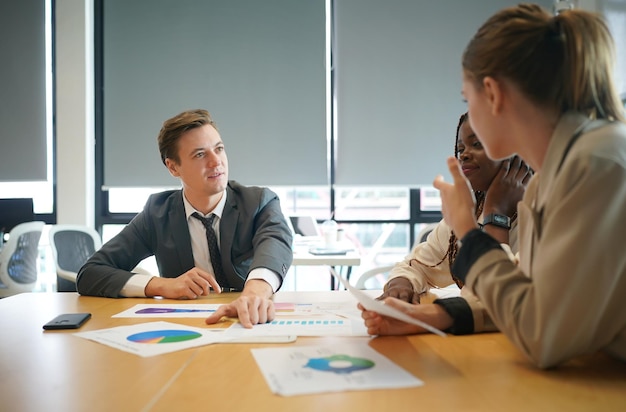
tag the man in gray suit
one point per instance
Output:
(252, 235)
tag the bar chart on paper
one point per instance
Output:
(311, 327)
(330, 326)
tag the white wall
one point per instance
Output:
(75, 112)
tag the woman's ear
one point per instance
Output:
(494, 94)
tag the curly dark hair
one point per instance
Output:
(480, 201)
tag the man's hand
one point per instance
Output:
(429, 313)
(191, 284)
(402, 289)
(253, 306)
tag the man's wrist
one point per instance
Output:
(258, 287)
(269, 276)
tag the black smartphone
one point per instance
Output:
(68, 321)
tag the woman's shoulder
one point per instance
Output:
(600, 147)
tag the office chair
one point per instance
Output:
(423, 234)
(381, 273)
(71, 246)
(18, 259)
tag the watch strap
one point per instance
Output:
(497, 220)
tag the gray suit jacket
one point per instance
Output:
(253, 234)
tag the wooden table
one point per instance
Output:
(56, 371)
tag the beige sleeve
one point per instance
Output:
(482, 320)
(571, 300)
(429, 253)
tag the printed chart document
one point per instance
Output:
(311, 326)
(315, 369)
(155, 338)
(299, 319)
(164, 310)
(204, 310)
(308, 319)
(346, 310)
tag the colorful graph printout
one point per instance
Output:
(340, 364)
(180, 310)
(298, 370)
(164, 336)
(318, 326)
(155, 338)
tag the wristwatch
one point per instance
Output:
(497, 220)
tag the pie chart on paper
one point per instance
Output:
(164, 336)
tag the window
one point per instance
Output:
(340, 121)
(26, 111)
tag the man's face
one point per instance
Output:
(203, 167)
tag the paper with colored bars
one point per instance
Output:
(379, 307)
(171, 310)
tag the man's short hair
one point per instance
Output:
(173, 129)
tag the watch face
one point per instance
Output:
(501, 219)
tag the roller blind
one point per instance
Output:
(615, 14)
(398, 86)
(23, 147)
(257, 66)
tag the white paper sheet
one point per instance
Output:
(155, 338)
(451, 291)
(203, 310)
(379, 307)
(346, 309)
(311, 326)
(315, 369)
(164, 310)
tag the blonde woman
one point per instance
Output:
(541, 86)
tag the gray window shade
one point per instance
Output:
(257, 66)
(398, 86)
(23, 147)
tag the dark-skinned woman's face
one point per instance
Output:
(476, 166)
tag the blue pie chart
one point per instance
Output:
(164, 336)
(340, 364)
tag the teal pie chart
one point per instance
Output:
(339, 364)
(164, 336)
